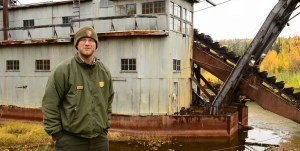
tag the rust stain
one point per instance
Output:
(14, 112)
(172, 126)
(34, 41)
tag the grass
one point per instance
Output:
(290, 79)
(16, 134)
(27, 135)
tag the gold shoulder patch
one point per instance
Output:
(80, 87)
(101, 84)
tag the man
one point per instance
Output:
(78, 97)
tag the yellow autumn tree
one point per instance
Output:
(270, 62)
(284, 60)
(294, 54)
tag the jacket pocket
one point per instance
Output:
(70, 107)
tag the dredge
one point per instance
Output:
(157, 70)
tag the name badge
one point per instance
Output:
(101, 84)
(80, 87)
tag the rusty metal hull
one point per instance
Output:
(14, 112)
(177, 126)
(180, 126)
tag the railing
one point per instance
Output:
(100, 24)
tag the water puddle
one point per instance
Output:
(253, 140)
(260, 139)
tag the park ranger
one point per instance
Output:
(77, 103)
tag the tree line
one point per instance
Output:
(283, 56)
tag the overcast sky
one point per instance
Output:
(238, 18)
(234, 18)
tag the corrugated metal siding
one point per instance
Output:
(12, 83)
(144, 92)
(126, 100)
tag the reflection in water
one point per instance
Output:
(179, 145)
(256, 139)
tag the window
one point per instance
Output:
(172, 8)
(128, 64)
(129, 9)
(66, 19)
(42, 65)
(153, 7)
(106, 3)
(176, 65)
(184, 28)
(146, 8)
(189, 29)
(159, 7)
(189, 16)
(171, 23)
(184, 11)
(177, 25)
(177, 10)
(12, 65)
(120, 10)
(28, 23)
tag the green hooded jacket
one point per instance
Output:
(78, 99)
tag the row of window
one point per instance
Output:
(155, 8)
(44, 65)
(147, 8)
(180, 12)
(40, 65)
(181, 19)
(179, 26)
(30, 22)
(130, 65)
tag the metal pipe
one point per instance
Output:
(212, 3)
(5, 19)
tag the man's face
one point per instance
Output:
(86, 47)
